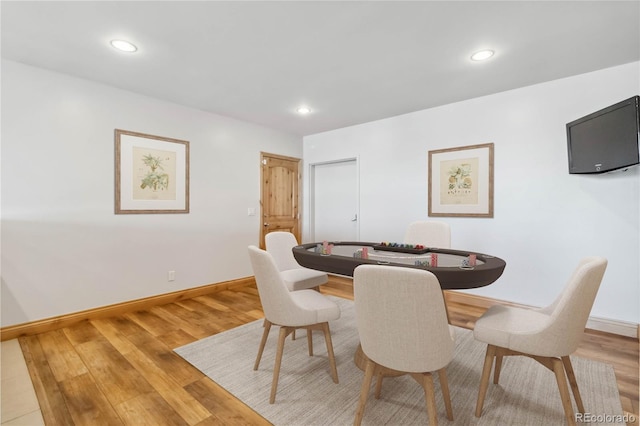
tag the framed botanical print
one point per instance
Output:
(461, 181)
(151, 174)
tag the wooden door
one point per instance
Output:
(279, 195)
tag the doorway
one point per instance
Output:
(334, 201)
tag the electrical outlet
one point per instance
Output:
(171, 276)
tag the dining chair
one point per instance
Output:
(429, 234)
(403, 329)
(290, 310)
(279, 245)
(548, 335)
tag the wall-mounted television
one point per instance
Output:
(605, 140)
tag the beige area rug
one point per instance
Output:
(527, 393)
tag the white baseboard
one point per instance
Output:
(622, 328)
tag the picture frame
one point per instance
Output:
(151, 174)
(461, 181)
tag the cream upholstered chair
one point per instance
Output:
(429, 234)
(290, 310)
(296, 277)
(402, 323)
(548, 335)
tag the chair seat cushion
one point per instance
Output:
(303, 278)
(513, 328)
(326, 309)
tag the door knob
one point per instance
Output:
(266, 224)
(355, 218)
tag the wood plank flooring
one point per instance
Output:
(123, 371)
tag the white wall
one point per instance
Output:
(63, 248)
(545, 219)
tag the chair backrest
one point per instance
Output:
(401, 318)
(429, 234)
(570, 311)
(278, 306)
(279, 245)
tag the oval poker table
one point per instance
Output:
(451, 270)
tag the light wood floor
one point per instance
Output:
(123, 370)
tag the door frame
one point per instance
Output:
(312, 195)
(261, 232)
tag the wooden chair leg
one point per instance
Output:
(379, 378)
(558, 369)
(364, 391)
(310, 341)
(332, 358)
(263, 341)
(562, 369)
(498, 368)
(444, 384)
(430, 397)
(568, 367)
(484, 381)
(276, 368)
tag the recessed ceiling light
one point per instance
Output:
(123, 45)
(303, 110)
(482, 55)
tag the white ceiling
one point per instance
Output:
(351, 62)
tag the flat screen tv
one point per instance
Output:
(605, 140)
